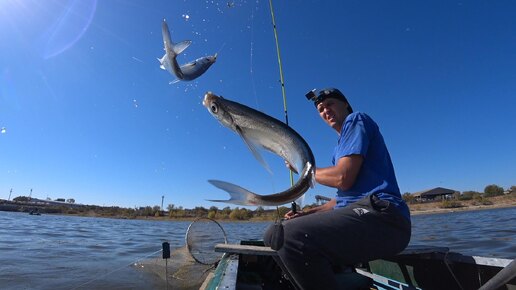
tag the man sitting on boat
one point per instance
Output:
(366, 220)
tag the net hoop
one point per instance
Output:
(189, 245)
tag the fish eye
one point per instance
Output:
(214, 108)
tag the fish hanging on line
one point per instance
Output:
(260, 130)
(186, 72)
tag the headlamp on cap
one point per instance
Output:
(311, 96)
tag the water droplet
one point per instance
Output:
(3, 130)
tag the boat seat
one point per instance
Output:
(245, 249)
(422, 249)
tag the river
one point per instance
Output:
(67, 252)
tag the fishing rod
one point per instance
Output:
(278, 54)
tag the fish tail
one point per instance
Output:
(166, 35)
(238, 195)
(171, 47)
(180, 47)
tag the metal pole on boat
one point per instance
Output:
(500, 279)
(10, 194)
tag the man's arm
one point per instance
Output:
(342, 175)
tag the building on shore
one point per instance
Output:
(438, 193)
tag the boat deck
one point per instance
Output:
(251, 265)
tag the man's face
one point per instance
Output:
(333, 112)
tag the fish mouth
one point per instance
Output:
(209, 97)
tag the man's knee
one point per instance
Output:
(274, 236)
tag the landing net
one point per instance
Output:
(201, 237)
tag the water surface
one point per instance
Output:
(66, 252)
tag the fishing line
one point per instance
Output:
(278, 54)
(281, 75)
(222, 47)
(116, 270)
(253, 84)
(251, 71)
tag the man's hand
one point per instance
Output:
(325, 207)
(290, 215)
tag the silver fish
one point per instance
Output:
(168, 61)
(196, 68)
(260, 130)
(186, 72)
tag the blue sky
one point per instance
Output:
(86, 112)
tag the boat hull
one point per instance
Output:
(251, 265)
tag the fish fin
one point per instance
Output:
(252, 147)
(176, 48)
(174, 81)
(190, 64)
(162, 61)
(180, 47)
(310, 169)
(238, 195)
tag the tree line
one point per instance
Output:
(22, 203)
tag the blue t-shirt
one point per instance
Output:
(361, 135)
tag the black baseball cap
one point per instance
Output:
(318, 96)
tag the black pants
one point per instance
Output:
(365, 230)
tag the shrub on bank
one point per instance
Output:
(482, 201)
(450, 204)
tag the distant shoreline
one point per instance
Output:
(428, 211)
(503, 201)
(419, 208)
(437, 210)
